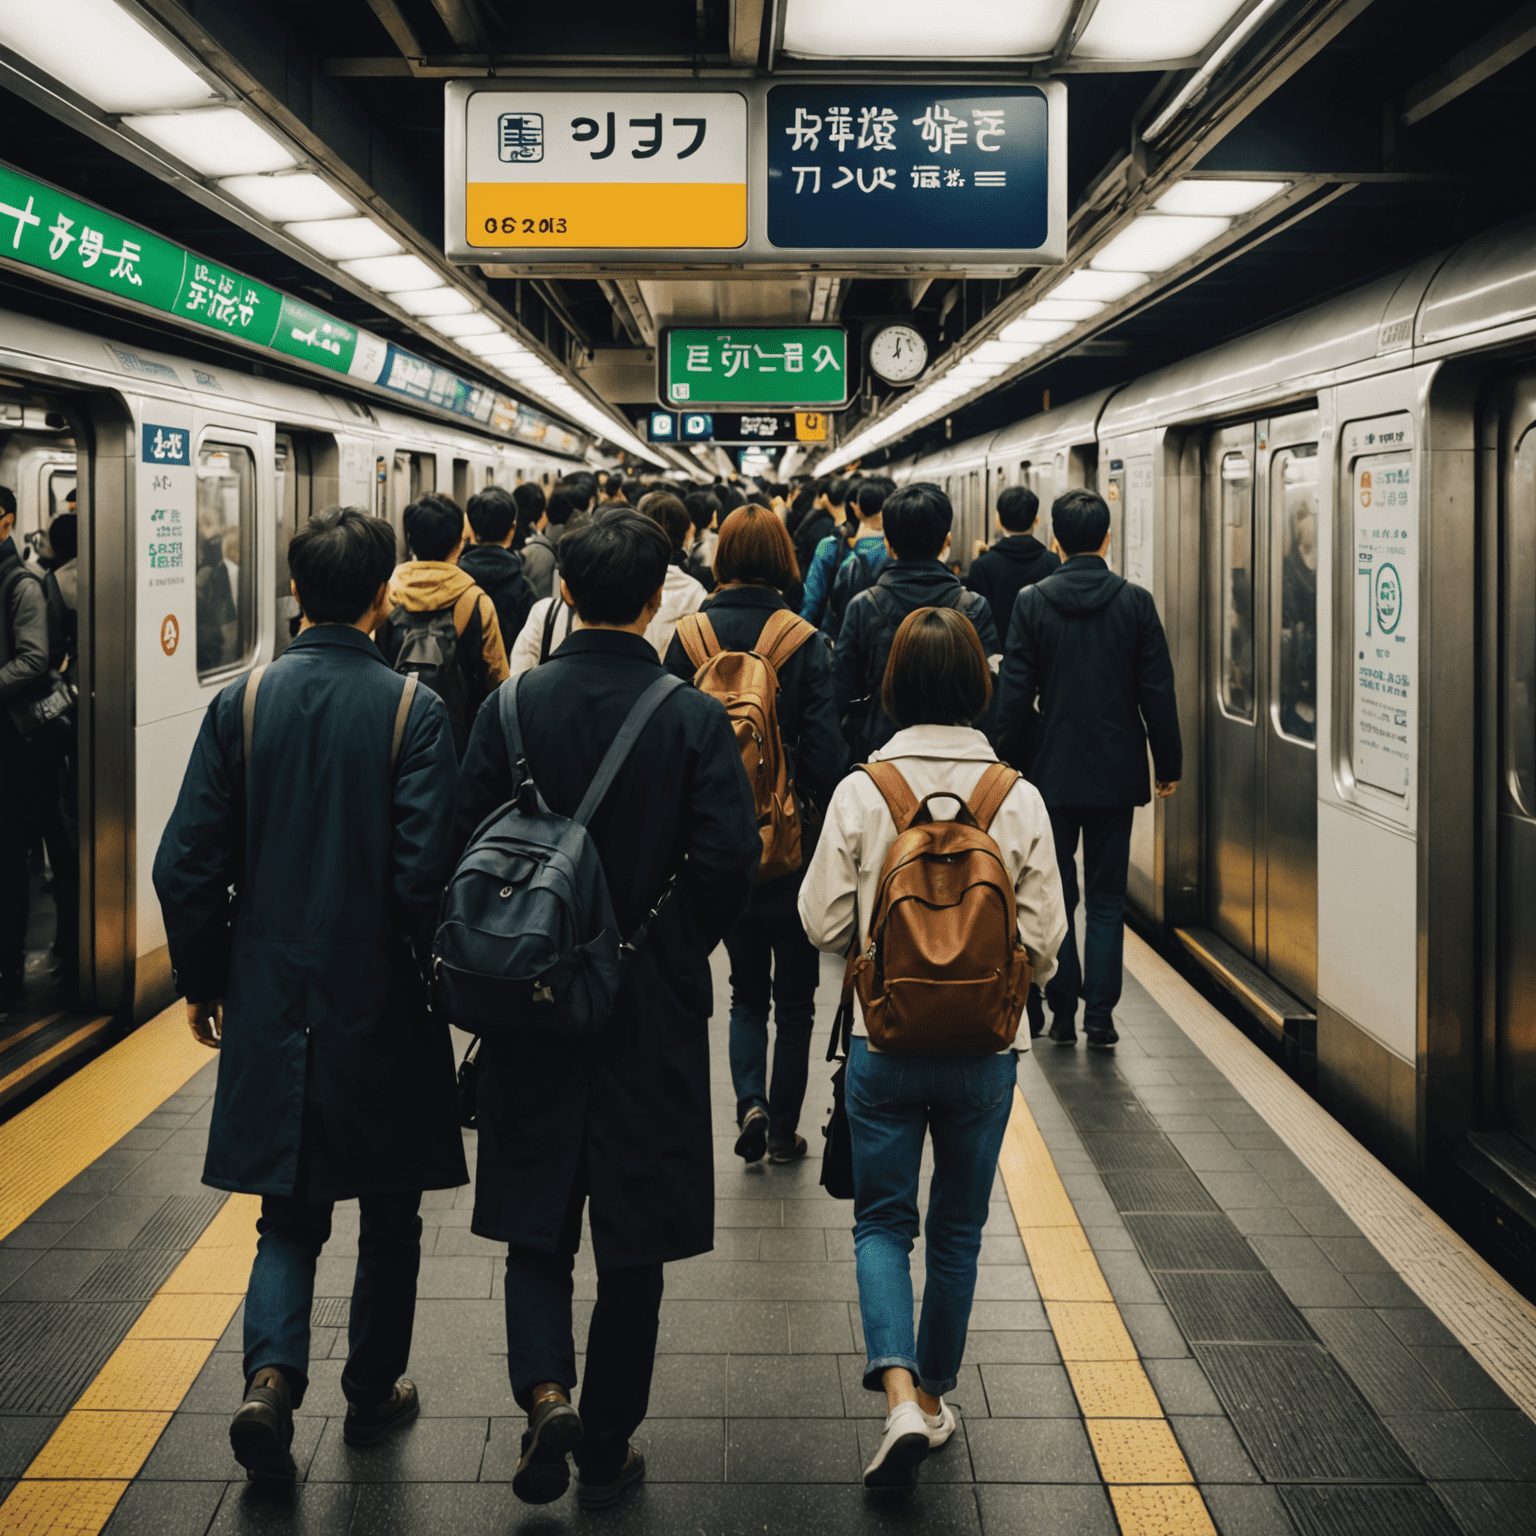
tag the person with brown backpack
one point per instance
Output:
(771, 671)
(936, 875)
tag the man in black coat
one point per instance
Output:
(321, 790)
(1017, 560)
(626, 1123)
(824, 518)
(917, 520)
(1090, 646)
(491, 562)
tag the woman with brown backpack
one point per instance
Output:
(936, 874)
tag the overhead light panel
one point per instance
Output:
(218, 141)
(470, 327)
(1103, 286)
(344, 239)
(442, 300)
(975, 372)
(298, 195)
(393, 274)
(1074, 310)
(101, 53)
(1025, 329)
(1135, 31)
(1156, 241)
(1004, 352)
(919, 29)
(1227, 199)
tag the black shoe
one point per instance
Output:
(753, 1141)
(261, 1432)
(1034, 1007)
(597, 1489)
(1101, 1037)
(367, 1426)
(790, 1152)
(542, 1474)
(1063, 1030)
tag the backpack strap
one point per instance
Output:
(782, 636)
(639, 716)
(506, 696)
(992, 788)
(248, 711)
(402, 714)
(464, 609)
(895, 791)
(547, 644)
(700, 641)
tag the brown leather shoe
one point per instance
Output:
(367, 1426)
(554, 1430)
(261, 1432)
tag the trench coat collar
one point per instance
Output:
(612, 642)
(745, 597)
(343, 636)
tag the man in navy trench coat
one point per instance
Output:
(625, 1122)
(335, 1083)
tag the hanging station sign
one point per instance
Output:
(840, 173)
(734, 366)
(737, 427)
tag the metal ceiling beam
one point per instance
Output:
(401, 33)
(745, 39)
(462, 22)
(1072, 30)
(1513, 37)
(623, 293)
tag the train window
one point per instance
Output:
(61, 492)
(490, 476)
(226, 551)
(461, 492)
(1293, 517)
(1520, 627)
(1237, 585)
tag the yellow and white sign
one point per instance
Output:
(587, 170)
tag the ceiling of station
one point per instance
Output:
(1229, 161)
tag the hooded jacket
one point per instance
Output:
(1013, 563)
(680, 595)
(23, 628)
(498, 572)
(1089, 646)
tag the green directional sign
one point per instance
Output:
(781, 365)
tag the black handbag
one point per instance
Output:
(837, 1159)
(468, 1092)
(43, 714)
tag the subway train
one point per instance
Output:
(1337, 517)
(189, 478)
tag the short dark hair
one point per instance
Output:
(755, 545)
(837, 491)
(917, 521)
(703, 506)
(731, 498)
(874, 493)
(562, 509)
(338, 561)
(1080, 521)
(633, 491)
(614, 565)
(664, 508)
(578, 489)
(938, 673)
(531, 501)
(493, 513)
(1017, 508)
(64, 537)
(7, 501)
(434, 526)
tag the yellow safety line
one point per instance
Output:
(76, 1480)
(1149, 1481)
(49, 1142)
(37, 1063)
(12, 1041)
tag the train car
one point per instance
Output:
(190, 478)
(1337, 516)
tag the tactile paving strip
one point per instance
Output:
(51, 1350)
(1191, 1242)
(129, 1276)
(1171, 1191)
(331, 1312)
(1368, 1512)
(1231, 1306)
(1173, 1510)
(1111, 1150)
(180, 1221)
(1301, 1418)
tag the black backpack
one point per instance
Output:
(527, 943)
(854, 575)
(427, 647)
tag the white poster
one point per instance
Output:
(166, 536)
(1138, 520)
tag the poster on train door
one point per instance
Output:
(1386, 620)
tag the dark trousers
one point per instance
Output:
(1106, 834)
(26, 782)
(621, 1342)
(771, 958)
(281, 1294)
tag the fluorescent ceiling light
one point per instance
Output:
(975, 372)
(1042, 331)
(101, 53)
(1228, 198)
(1106, 286)
(218, 141)
(344, 239)
(1135, 31)
(475, 327)
(1064, 309)
(920, 29)
(393, 274)
(1156, 241)
(1198, 83)
(435, 301)
(279, 199)
(1006, 352)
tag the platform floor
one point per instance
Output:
(1178, 1328)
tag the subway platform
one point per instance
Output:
(1202, 1307)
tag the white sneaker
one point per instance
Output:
(941, 1425)
(904, 1444)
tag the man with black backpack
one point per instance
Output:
(864, 560)
(621, 1120)
(443, 630)
(917, 521)
(491, 561)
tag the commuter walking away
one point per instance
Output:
(442, 628)
(532, 513)
(917, 520)
(772, 961)
(866, 557)
(540, 553)
(623, 1124)
(548, 626)
(1086, 688)
(824, 517)
(681, 594)
(490, 561)
(299, 878)
(915, 1067)
(1017, 560)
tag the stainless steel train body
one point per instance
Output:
(185, 472)
(1337, 516)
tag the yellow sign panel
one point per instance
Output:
(810, 427)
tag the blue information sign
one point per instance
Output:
(910, 167)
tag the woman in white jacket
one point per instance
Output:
(936, 684)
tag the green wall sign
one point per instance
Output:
(779, 365)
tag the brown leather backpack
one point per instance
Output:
(945, 973)
(747, 683)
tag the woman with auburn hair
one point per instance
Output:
(936, 685)
(772, 961)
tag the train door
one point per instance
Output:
(1261, 697)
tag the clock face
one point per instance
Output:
(898, 354)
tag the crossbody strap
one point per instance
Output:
(547, 643)
(639, 716)
(248, 716)
(248, 711)
(402, 714)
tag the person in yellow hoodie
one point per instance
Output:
(443, 628)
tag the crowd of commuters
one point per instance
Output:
(741, 706)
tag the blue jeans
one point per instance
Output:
(281, 1294)
(893, 1102)
(772, 958)
(1097, 978)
